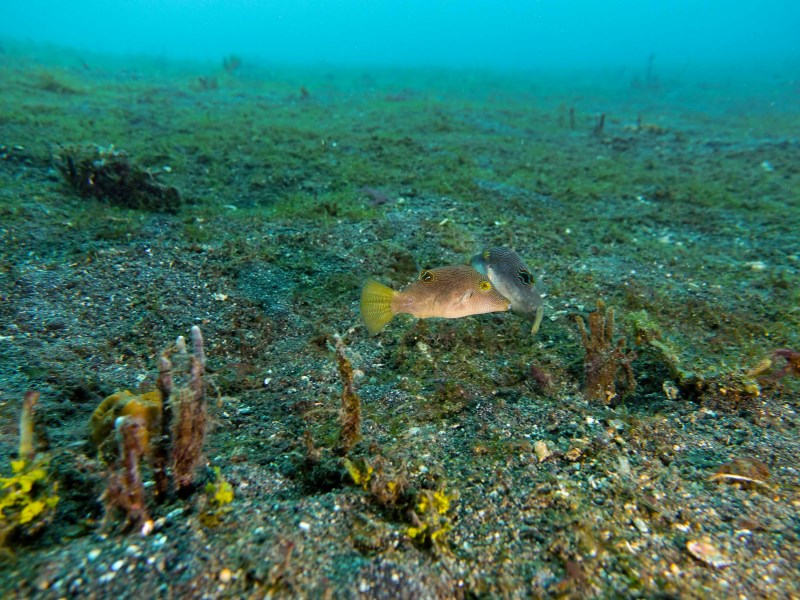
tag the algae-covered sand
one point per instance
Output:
(673, 200)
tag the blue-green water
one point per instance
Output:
(422, 33)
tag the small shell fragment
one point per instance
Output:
(745, 471)
(541, 450)
(761, 368)
(705, 552)
(641, 525)
(147, 527)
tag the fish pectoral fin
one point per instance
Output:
(465, 296)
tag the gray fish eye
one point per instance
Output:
(525, 277)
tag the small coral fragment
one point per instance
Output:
(166, 426)
(125, 490)
(606, 364)
(188, 410)
(124, 404)
(27, 448)
(350, 416)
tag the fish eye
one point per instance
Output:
(426, 276)
(484, 286)
(525, 277)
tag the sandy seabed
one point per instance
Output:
(481, 470)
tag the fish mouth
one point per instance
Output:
(532, 315)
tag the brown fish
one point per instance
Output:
(447, 292)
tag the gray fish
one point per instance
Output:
(514, 280)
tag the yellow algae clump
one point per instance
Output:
(360, 475)
(125, 404)
(431, 522)
(220, 491)
(28, 497)
(219, 494)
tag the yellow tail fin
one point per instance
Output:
(376, 305)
